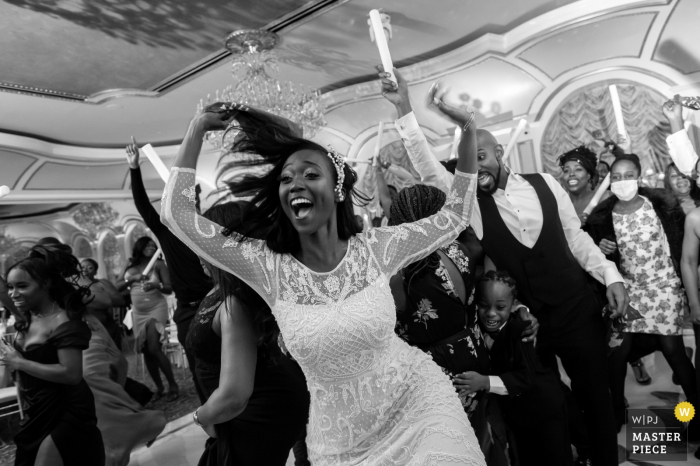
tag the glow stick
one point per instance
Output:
(455, 142)
(151, 263)
(382, 45)
(4, 191)
(617, 109)
(368, 162)
(514, 138)
(19, 400)
(156, 161)
(598, 194)
(380, 133)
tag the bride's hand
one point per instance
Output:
(458, 116)
(217, 116)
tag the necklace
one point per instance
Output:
(52, 314)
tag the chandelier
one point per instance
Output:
(253, 69)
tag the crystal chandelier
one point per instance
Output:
(254, 65)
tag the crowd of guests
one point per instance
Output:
(437, 336)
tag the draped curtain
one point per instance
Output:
(591, 108)
(395, 153)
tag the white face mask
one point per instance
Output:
(625, 190)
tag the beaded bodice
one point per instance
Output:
(366, 384)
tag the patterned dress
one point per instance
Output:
(436, 321)
(375, 400)
(650, 278)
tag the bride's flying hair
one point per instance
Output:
(269, 144)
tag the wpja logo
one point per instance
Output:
(659, 434)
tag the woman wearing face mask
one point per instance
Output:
(683, 187)
(580, 177)
(641, 230)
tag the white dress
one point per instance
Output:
(375, 400)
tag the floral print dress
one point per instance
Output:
(434, 313)
(650, 278)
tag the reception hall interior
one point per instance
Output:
(96, 98)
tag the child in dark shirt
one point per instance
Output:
(529, 395)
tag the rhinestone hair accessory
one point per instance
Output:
(339, 163)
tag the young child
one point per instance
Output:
(530, 396)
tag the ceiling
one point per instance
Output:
(77, 49)
(509, 58)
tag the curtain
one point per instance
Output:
(591, 108)
(395, 153)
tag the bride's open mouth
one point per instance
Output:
(301, 207)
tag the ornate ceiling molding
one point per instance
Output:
(505, 46)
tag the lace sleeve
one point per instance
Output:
(395, 247)
(248, 259)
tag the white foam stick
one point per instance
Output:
(617, 109)
(514, 138)
(19, 400)
(382, 45)
(380, 133)
(368, 162)
(598, 194)
(156, 161)
(455, 142)
(151, 263)
(4, 191)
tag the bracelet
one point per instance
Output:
(468, 123)
(196, 418)
(160, 286)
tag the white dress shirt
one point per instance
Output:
(682, 152)
(518, 204)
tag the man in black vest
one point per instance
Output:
(529, 228)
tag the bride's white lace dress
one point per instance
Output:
(375, 400)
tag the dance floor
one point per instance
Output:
(182, 442)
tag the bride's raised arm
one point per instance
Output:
(245, 258)
(394, 247)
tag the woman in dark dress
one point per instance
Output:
(59, 425)
(435, 296)
(436, 312)
(234, 332)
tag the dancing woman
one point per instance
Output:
(59, 426)
(374, 399)
(100, 309)
(254, 393)
(150, 313)
(645, 227)
(683, 186)
(580, 175)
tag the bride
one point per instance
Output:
(374, 399)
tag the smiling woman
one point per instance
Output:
(580, 176)
(60, 426)
(684, 187)
(327, 286)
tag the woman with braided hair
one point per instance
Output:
(375, 400)
(59, 425)
(435, 308)
(580, 176)
(436, 312)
